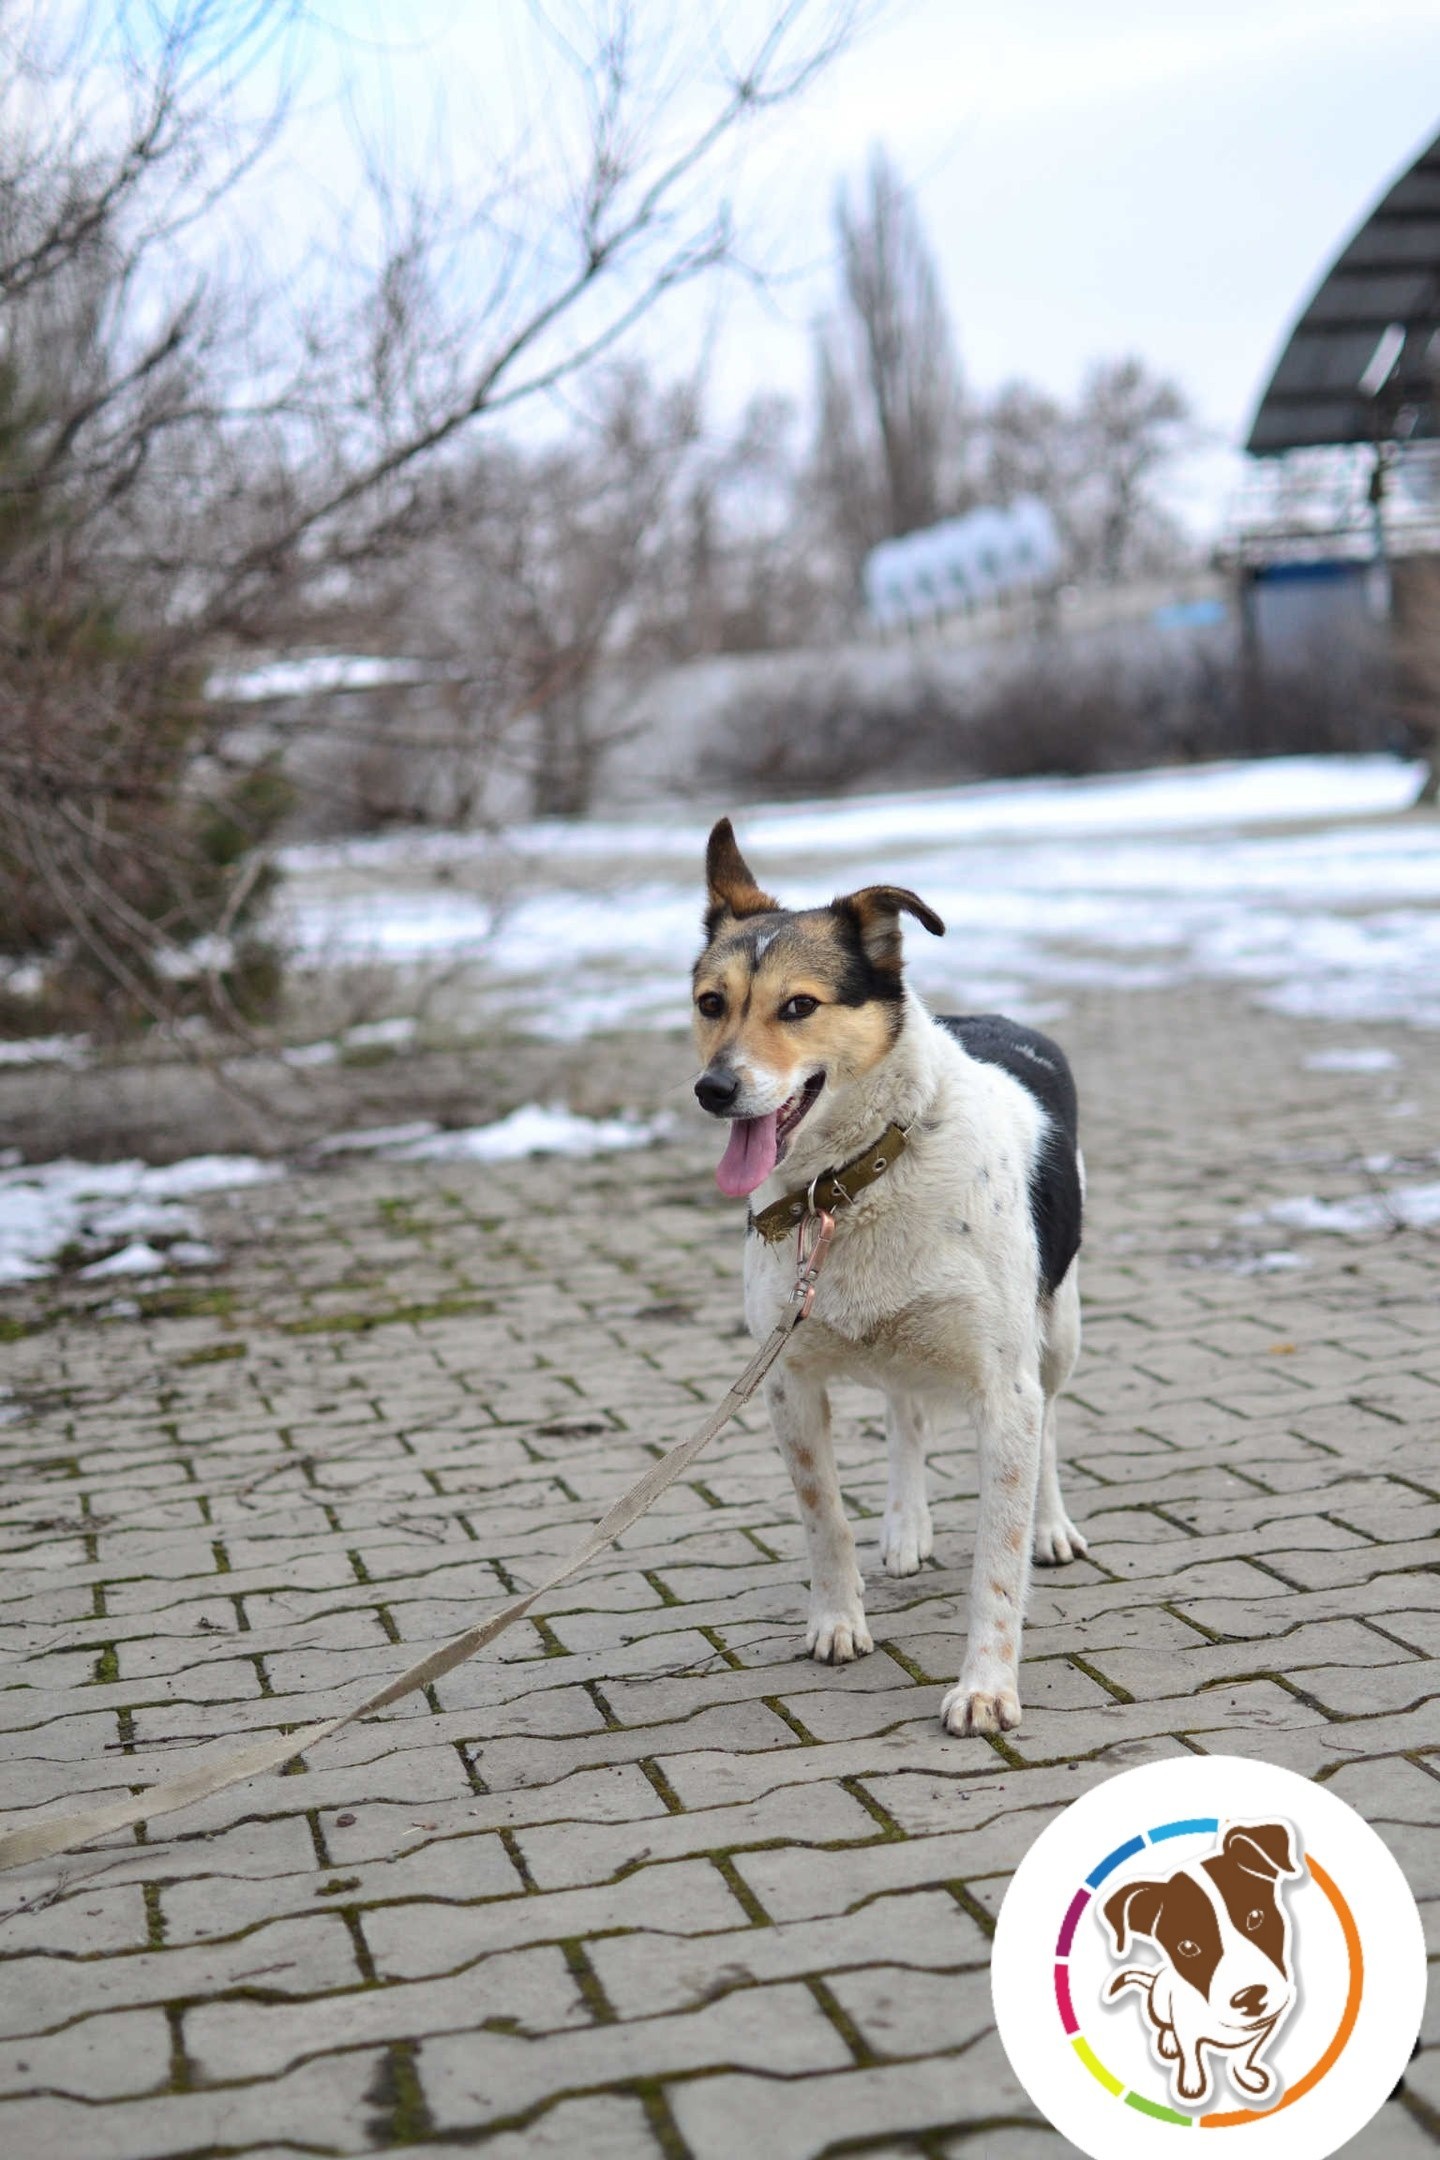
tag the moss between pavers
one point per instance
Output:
(360, 1323)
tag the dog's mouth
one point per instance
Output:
(757, 1144)
(800, 1104)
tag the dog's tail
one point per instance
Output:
(1136, 1976)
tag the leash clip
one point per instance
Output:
(812, 1243)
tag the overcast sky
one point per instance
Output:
(1117, 176)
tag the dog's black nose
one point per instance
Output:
(1249, 2001)
(716, 1089)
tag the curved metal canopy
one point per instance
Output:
(1363, 362)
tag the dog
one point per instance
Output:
(953, 1273)
(1227, 1981)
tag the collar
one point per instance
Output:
(834, 1188)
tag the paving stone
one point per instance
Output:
(292, 1958)
(325, 2106)
(519, 1991)
(781, 2032)
(681, 1898)
(643, 1974)
(719, 2116)
(96, 2058)
(602, 2126)
(560, 1855)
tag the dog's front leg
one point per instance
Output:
(986, 1697)
(1191, 2074)
(800, 1413)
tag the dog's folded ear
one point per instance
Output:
(1261, 1849)
(1134, 1910)
(730, 880)
(877, 909)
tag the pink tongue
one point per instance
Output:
(750, 1155)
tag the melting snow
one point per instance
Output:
(1138, 881)
(47, 1207)
(1411, 1207)
(531, 1130)
(1359, 1060)
(45, 1050)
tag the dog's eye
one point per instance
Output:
(798, 1008)
(1189, 1949)
(710, 1004)
(1254, 1920)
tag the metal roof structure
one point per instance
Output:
(1362, 364)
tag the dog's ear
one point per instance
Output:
(1134, 1910)
(1261, 1849)
(877, 909)
(730, 881)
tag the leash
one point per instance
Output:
(62, 1833)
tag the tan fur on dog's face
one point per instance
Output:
(781, 994)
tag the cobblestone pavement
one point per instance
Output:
(645, 1881)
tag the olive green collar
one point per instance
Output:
(835, 1189)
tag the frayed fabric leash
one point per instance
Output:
(62, 1833)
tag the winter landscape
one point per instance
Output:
(442, 471)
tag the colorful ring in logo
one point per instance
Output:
(1198, 1826)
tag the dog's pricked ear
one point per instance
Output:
(1134, 1910)
(1261, 1849)
(877, 909)
(729, 879)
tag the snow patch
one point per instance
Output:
(46, 1050)
(534, 1129)
(1401, 1207)
(47, 1207)
(1139, 881)
(1358, 1060)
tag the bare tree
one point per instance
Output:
(1128, 425)
(184, 459)
(544, 581)
(890, 430)
(1095, 463)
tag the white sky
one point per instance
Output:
(1117, 176)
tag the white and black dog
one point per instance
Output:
(953, 1274)
(1227, 1979)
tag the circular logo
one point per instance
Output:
(1214, 1945)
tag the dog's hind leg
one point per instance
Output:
(1056, 1537)
(906, 1538)
(986, 1697)
(800, 1413)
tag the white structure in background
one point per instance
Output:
(965, 563)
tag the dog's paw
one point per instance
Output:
(1168, 2045)
(906, 1540)
(968, 1709)
(1250, 2078)
(837, 1635)
(1057, 1541)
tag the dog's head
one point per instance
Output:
(790, 1003)
(1222, 1926)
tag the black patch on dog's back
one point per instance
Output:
(1042, 1068)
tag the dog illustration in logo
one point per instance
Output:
(1227, 1981)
